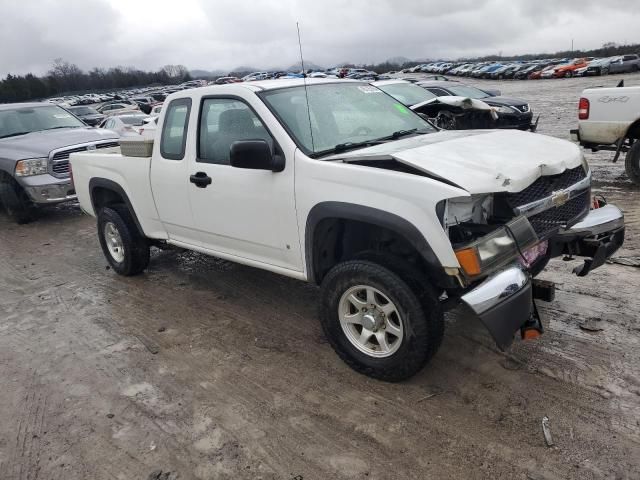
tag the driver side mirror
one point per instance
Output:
(255, 155)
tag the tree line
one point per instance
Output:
(64, 78)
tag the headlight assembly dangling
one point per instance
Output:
(498, 248)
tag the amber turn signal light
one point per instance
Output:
(469, 261)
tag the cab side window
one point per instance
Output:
(224, 121)
(174, 129)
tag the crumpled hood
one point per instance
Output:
(479, 161)
(39, 144)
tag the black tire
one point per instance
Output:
(421, 316)
(135, 247)
(16, 202)
(569, 74)
(632, 163)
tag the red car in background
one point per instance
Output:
(566, 70)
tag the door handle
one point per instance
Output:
(200, 179)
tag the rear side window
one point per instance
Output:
(174, 129)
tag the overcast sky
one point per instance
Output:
(223, 34)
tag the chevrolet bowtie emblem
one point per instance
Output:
(559, 198)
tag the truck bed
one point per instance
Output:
(91, 169)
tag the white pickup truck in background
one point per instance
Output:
(609, 119)
(337, 183)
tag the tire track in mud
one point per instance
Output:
(240, 394)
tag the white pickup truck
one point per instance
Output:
(609, 119)
(337, 183)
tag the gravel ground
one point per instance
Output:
(203, 369)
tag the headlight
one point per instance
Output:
(497, 248)
(502, 109)
(32, 166)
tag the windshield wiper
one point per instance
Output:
(402, 133)
(14, 134)
(343, 147)
(55, 128)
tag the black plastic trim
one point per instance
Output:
(361, 213)
(506, 318)
(113, 186)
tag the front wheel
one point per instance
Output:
(376, 323)
(126, 250)
(16, 202)
(632, 163)
(569, 74)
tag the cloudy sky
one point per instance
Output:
(223, 34)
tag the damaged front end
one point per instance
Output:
(464, 113)
(503, 241)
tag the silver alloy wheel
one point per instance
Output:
(370, 321)
(114, 242)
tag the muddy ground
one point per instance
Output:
(209, 370)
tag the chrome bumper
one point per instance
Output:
(51, 193)
(598, 221)
(597, 237)
(503, 303)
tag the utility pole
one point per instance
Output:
(572, 45)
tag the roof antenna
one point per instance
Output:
(306, 92)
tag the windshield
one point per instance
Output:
(467, 91)
(83, 111)
(407, 93)
(20, 121)
(341, 114)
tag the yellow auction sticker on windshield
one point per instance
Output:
(401, 108)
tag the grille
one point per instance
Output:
(60, 160)
(545, 186)
(547, 222)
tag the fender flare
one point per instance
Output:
(374, 216)
(98, 182)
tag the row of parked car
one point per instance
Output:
(537, 69)
(335, 72)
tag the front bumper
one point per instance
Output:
(504, 301)
(596, 237)
(46, 189)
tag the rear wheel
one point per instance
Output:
(126, 250)
(377, 323)
(632, 163)
(16, 202)
(569, 74)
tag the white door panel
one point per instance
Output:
(242, 212)
(170, 173)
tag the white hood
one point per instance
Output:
(480, 161)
